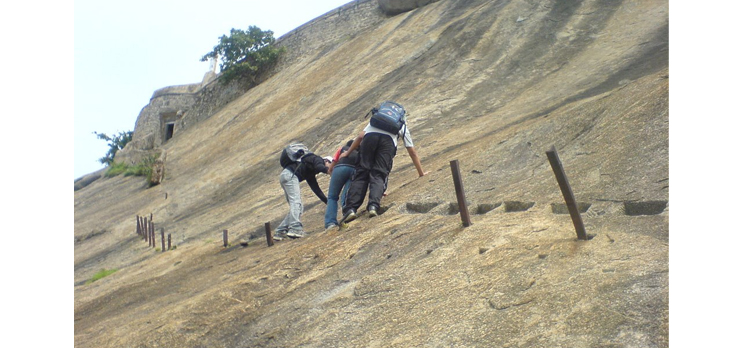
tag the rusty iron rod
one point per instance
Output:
(269, 234)
(149, 231)
(145, 230)
(563, 183)
(460, 196)
(162, 237)
(225, 238)
(152, 233)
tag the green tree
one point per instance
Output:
(115, 142)
(245, 54)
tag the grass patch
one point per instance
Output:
(101, 274)
(144, 168)
(116, 169)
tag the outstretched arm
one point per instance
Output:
(312, 181)
(415, 159)
(354, 145)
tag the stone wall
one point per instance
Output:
(331, 28)
(210, 100)
(392, 7)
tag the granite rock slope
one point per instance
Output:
(493, 84)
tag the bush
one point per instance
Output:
(245, 55)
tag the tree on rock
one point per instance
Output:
(245, 54)
(115, 142)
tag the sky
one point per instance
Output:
(125, 50)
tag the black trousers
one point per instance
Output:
(376, 154)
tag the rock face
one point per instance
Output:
(492, 84)
(85, 180)
(158, 170)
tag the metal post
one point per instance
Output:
(162, 235)
(149, 231)
(225, 238)
(269, 234)
(563, 183)
(169, 241)
(152, 233)
(460, 196)
(138, 228)
(145, 234)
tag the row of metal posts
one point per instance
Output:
(146, 229)
(563, 183)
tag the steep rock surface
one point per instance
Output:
(493, 84)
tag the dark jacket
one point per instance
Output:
(350, 161)
(311, 164)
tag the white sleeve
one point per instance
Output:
(407, 137)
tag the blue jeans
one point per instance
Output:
(340, 180)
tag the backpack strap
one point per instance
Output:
(371, 112)
(301, 161)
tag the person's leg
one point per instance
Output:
(295, 228)
(360, 180)
(282, 229)
(357, 190)
(381, 167)
(290, 185)
(346, 186)
(338, 179)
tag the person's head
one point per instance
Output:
(328, 159)
(348, 143)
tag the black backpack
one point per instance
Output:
(293, 153)
(389, 116)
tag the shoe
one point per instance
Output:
(373, 211)
(295, 234)
(331, 226)
(350, 216)
(279, 235)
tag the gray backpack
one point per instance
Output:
(293, 153)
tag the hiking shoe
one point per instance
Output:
(295, 234)
(350, 216)
(373, 211)
(330, 227)
(279, 235)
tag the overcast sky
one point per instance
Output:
(125, 50)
